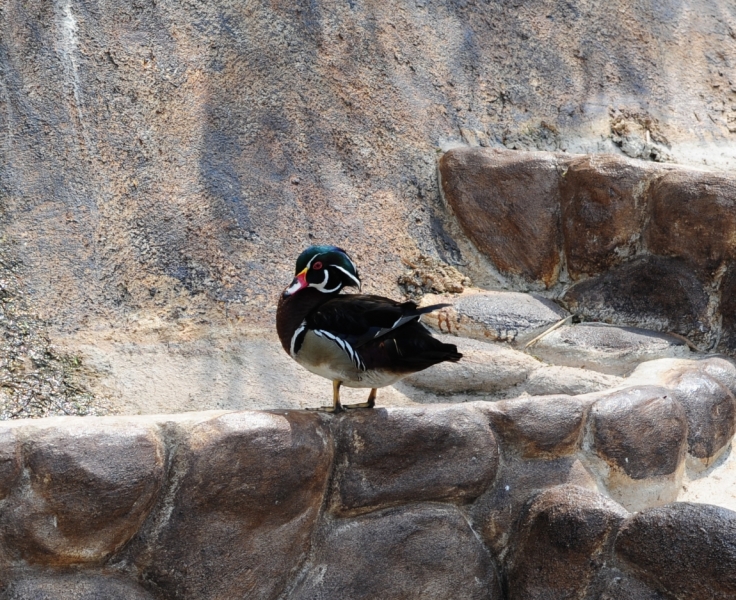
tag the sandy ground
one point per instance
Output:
(714, 485)
(141, 373)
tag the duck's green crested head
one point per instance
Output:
(325, 268)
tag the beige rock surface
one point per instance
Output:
(568, 380)
(606, 349)
(484, 368)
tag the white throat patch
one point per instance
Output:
(321, 286)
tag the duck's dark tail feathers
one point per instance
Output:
(442, 353)
(428, 309)
(452, 354)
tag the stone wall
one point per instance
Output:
(546, 497)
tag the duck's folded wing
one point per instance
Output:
(358, 319)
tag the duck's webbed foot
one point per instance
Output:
(328, 409)
(336, 406)
(369, 404)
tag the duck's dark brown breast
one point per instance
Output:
(292, 310)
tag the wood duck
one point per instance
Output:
(356, 340)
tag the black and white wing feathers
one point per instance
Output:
(379, 332)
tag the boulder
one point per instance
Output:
(560, 543)
(704, 388)
(693, 216)
(661, 294)
(661, 371)
(687, 550)
(636, 444)
(495, 513)
(402, 455)
(606, 349)
(238, 513)
(604, 207)
(414, 553)
(666, 370)
(710, 409)
(538, 426)
(722, 369)
(507, 203)
(91, 483)
(568, 380)
(485, 367)
(640, 430)
(494, 315)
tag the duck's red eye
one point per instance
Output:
(317, 266)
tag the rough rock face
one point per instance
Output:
(10, 461)
(162, 165)
(171, 160)
(254, 482)
(693, 216)
(728, 310)
(611, 583)
(710, 409)
(568, 380)
(540, 426)
(685, 549)
(485, 368)
(76, 586)
(494, 316)
(604, 207)
(508, 204)
(395, 454)
(661, 294)
(559, 543)
(87, 492)
(620, 420)
(166, 149)
(611, 350)
(412, 552)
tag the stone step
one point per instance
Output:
(496, 316)
(605, 348)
